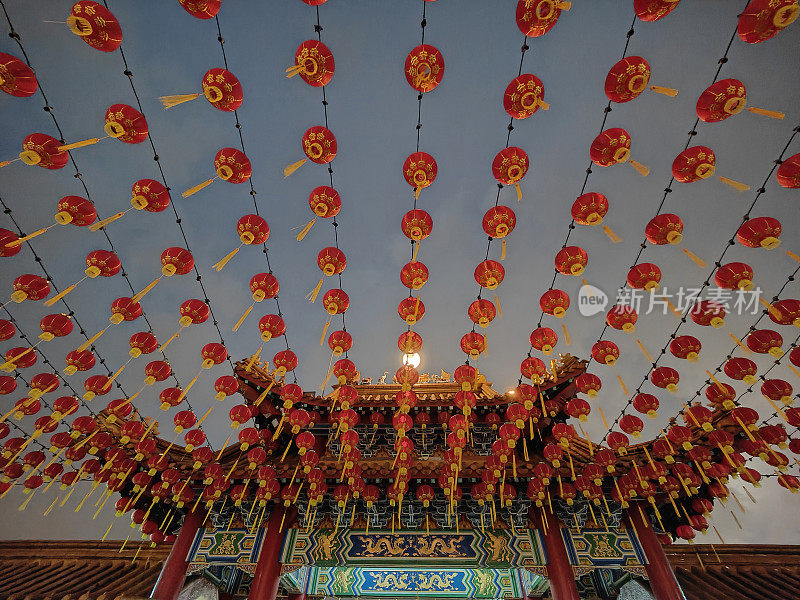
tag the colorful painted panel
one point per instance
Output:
(598, 548)
(469, 548)
(218, 547)
(416, 583)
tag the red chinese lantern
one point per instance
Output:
(686, 347)
(7, 385)
(489, 274)
(588, 384)
(411, 310)
(777, 390)
(319, 146)
(157, 370)
(313, 61)
(543, 339)
(645, 276)
(578, 408)
(340, 342)
(424, 68)
(665, 228)
(708, 312)
(741, 369)
(665, 377)
(764, 19)
(16, 78)
(473, 343)
(325, 203)
(788, 174)
(42, 150)
(498, 222)
(414, 275)
(509, 167)
(416, 225)
(122, 122)
(533, 368)
(613, 146)
(252, 230)
(537, 17)
(571, 260)
(653, 10)
(467, 377)
(786, 312)
(589, 209)
(409, 342)
(72, 210)
(53, 326)
(622, 318)
(220, 87)
(29, 287)
(419, 170)
(632, 425)
(79, 360)
(629, 77)
(721, 393)
(284, 361)
(760, 232)
(725, 98)
(231, 165)
(335, 301)
(554, 302)
(201, 9)
(605, 352)
(765, 341)
(618, 442)
(735, 275)
(524, 96)
(262, 285)
(7, 330)
(98, 263)
(647, 404)
(95, 25)
(482, 312)
(331, 261)
(271, 326)
(240, 414)
(10, 243)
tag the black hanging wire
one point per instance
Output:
(239, 126)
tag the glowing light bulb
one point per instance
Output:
(412, 360)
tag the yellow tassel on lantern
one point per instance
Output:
(772, 310)
(91, 340)
(697, 260)
(198, 187)
(740, 343)
(671, 92)
(503, 250)
(640, 168)
(742, 187)
(324, 331)
(312, 295)
(414, 253)
(567, 337)
(519, 189)
(611, 235)
(61, 294)
(306, 228)
(622, 383)
(293, 167)
(499, 308)
(174, 100)
(792, 255)
(647, 355)
(30, 236)
(138, 296)
(107, 220)
(773, 114)
(673, 309)
(218, 266)
(603, 416)
(242, 318)
(74, 145)
(294, 70)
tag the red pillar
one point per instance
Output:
(663, 583)
(173, 573)
(268, 570)
(559, 571)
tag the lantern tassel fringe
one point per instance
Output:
(174, 100)
(671, 92)
(107, 220)
(567, 337)
(30, 236)
(81, 144)
(696, 259)
(499, 308)
(640, 168)
(306, 228)
(197, 188)
(293, 167)
(312, 295)
(324, 331)
(61, 294)
(242, 318)
(139, 295)
(742, 187)
(218, 266)
(773, 114)
(611, 235)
